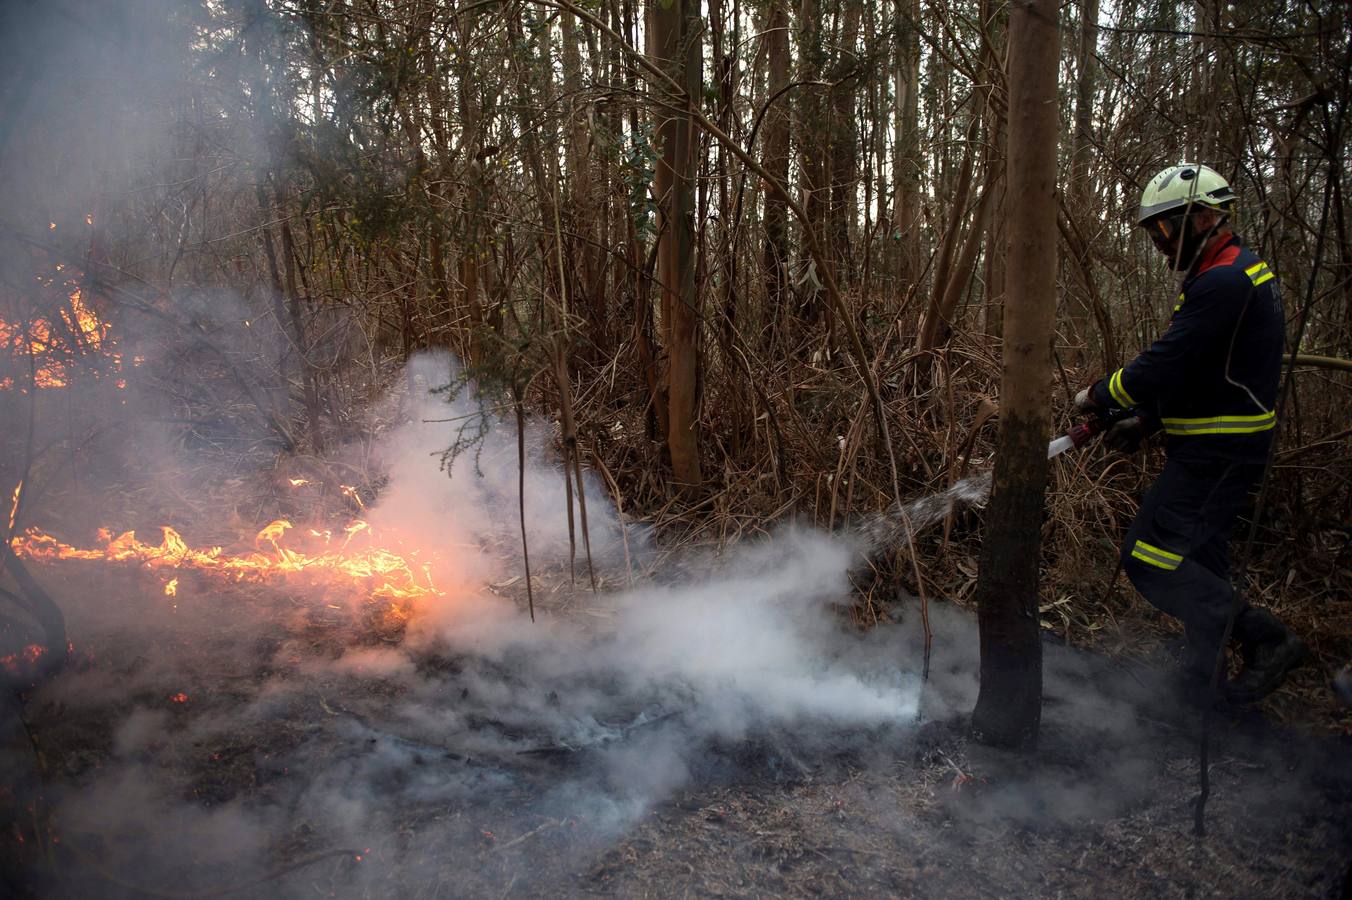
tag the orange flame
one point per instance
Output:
(377, 571)
(54, 341)
(350, 493)
(14, 506)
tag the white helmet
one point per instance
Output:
(1181, 187)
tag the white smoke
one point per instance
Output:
(749, 640)
(592, 714)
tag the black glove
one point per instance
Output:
(1125, 436)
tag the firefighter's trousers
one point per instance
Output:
(1176, 551)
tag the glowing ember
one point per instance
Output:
(376, 571)
(180, 697)
(298, 482)
(24, 663)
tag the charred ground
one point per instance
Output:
(271, 744)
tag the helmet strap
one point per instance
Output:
(1191, 243)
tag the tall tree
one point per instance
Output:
(1081, 192)
(674, 43)
(810, 112)
(1009, 707)
(906, 162)
(775, 152)
(843, 141)
(995, 26)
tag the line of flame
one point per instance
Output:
(383, 573)
(14, 506)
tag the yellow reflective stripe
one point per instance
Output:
(1156, 556)
(1179, 304)
(1119, 390)
(1222, 424)
(1259, 273)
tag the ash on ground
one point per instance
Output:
(282, 747)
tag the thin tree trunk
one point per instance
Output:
(906, 162)
(295, 312)
(939, 323)
(583, 199)
(996, 25)
(1087, 65)
(843, 141)
(674, 35)
(812, 146)
(928, 330)
(775, 258)
(1009, 707)
(1081, 192)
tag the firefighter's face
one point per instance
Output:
(1165, 231)
(1178, 235)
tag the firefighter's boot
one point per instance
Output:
(1194, 659)
(1269, 650)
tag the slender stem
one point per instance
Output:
(521, 492)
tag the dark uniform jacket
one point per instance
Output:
(1211, 379)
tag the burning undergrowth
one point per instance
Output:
(330, 684)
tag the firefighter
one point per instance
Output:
(1210, 382)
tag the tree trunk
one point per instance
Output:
(1087, 67)
(775, 152)
(927, 331)
(906, 164)
(295, 312)
(1009, 707)
(674, 35)
(812, 144)
(1081, 193)
(843, 142)
(996, 26)
(584, 214)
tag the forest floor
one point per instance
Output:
(223, 750)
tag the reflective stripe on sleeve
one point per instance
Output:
(1119, 390)
(1156, 556)
(1259, 273)
(1221, 424)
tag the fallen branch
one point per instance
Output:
(552, 823)
(1324, 362)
